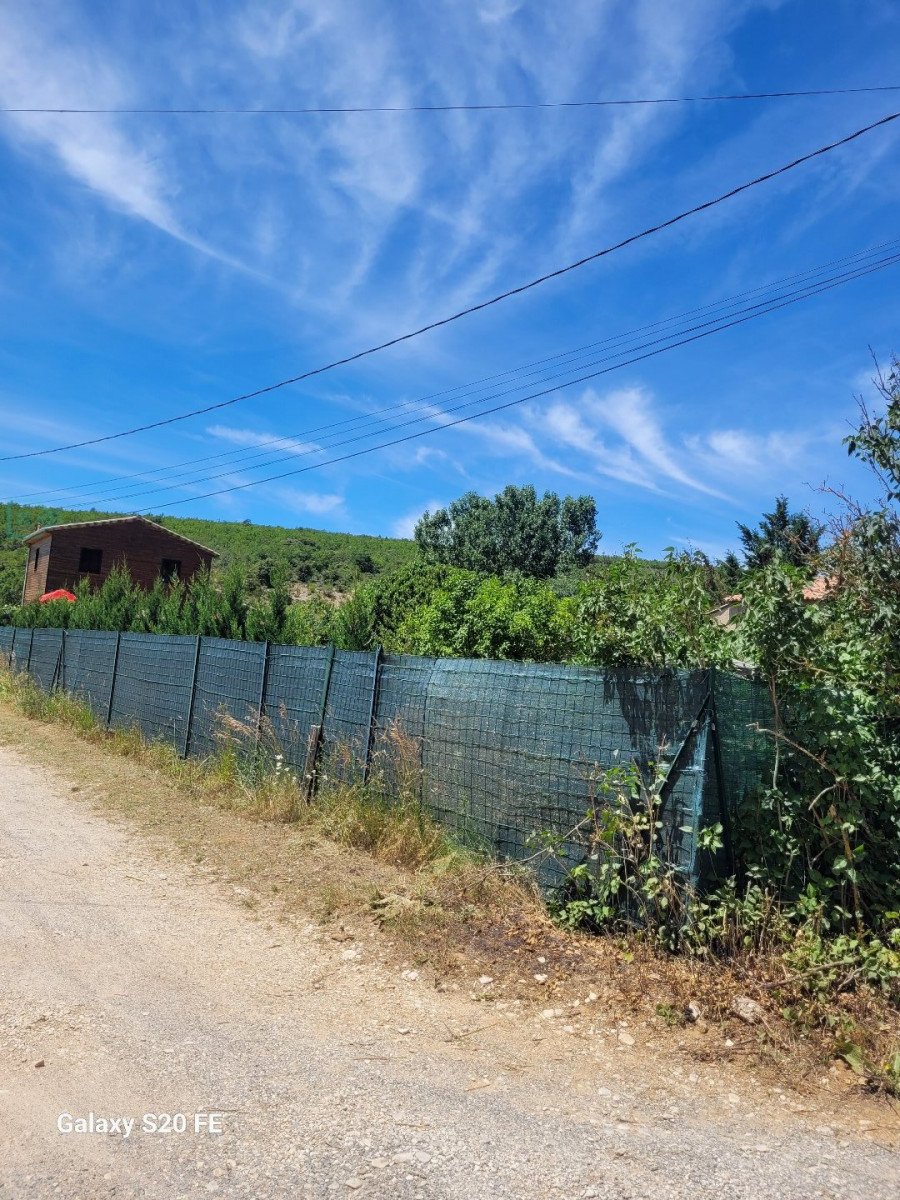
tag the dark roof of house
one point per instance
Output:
(45, 529)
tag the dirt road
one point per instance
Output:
(143, 988)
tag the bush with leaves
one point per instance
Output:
(473, 616)
(395, 595)
(628, 879)
(827, 828)
(309, 622)
(204, 605)
(625, 614)
(626, 611)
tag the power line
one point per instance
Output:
(647, 350)
(848, 268)
(541, 366)
(558, 380)
(740, 320)
(525, 371)
(484, 304)
(337, 110)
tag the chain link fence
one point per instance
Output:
(506, 750)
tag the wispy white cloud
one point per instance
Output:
(360, 186)
(629, 413)
(256, 437)
(505, 440)
(426, 213)
(317, 503)
(404, 527)
(494, 12)
(621, 435)
(742, 455)
(48, 63)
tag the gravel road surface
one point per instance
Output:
(133, 985)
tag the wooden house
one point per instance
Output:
(60, 556)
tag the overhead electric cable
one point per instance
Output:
(769, 305)
(850, 269)
(496, 408)
(337, 110)
(651, 349)
(257, 450)
(484, 304)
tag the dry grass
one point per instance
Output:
(381, 817)
(366, 851)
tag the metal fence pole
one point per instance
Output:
(370, 738)
(262, 695)
(112, 681)
(59, 658)
(315, 733)
(675, 766)
(190, 716)
(724, 809)
(30, 645)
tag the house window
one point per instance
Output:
(89, 561)
(170, 569)
(37, 555)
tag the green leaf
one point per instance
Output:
(853, 1056)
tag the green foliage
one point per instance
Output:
(12, 572)
(828, 826)
(730, 572)
(353, 624)
(826, 831)
(792, 538)
(397, 594)
(514, 532)
(625, 611)
(266, 553)
(625, 614)
(476, 617)
(309, 622)
(627, 879)
(266, 620)
(877, 440)
(204, 606)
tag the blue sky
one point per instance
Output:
(155, 264)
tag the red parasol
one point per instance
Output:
(59, 594)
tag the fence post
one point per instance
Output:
(724, 810)
(370, 738)
(59, 658)
(190, 715)
(112, 681)
(672, 774)
(30, 645)
(315, 733)
(262, 696)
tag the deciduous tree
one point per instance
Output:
(514, 532)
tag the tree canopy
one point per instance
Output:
(793, 537)
(514, 532)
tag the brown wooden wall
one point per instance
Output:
(36, 575)
(141, 547)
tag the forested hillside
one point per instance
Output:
(313, 556)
